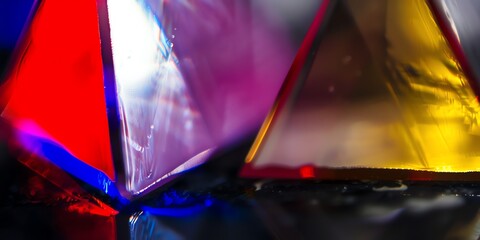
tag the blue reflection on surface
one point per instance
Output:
(148, 224)
(199, 217)
(174, 212)
(173, 203)
(144, 226)
(56, 154)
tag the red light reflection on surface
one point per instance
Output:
(49, 184)
(70, 225)
(57, 81)
(307, 172)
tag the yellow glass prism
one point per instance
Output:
(376, 86)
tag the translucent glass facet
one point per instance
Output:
(384, 90)
(54, 91)
(191, 77)
(159, 119)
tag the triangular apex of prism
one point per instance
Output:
(55, 89)
(384, 91)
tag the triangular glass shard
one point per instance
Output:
(190, 77)
(55, 89)
(375, 92)
(159, 120)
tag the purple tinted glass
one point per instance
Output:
(192, 76)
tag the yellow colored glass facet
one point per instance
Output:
(384, 90)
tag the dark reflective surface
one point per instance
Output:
(321, 212)
(269, 209)
(210, 202)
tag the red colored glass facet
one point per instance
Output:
(56, 86)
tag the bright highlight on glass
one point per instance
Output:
(191, 77)
(161, 125)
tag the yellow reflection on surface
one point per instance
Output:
(384, 91)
